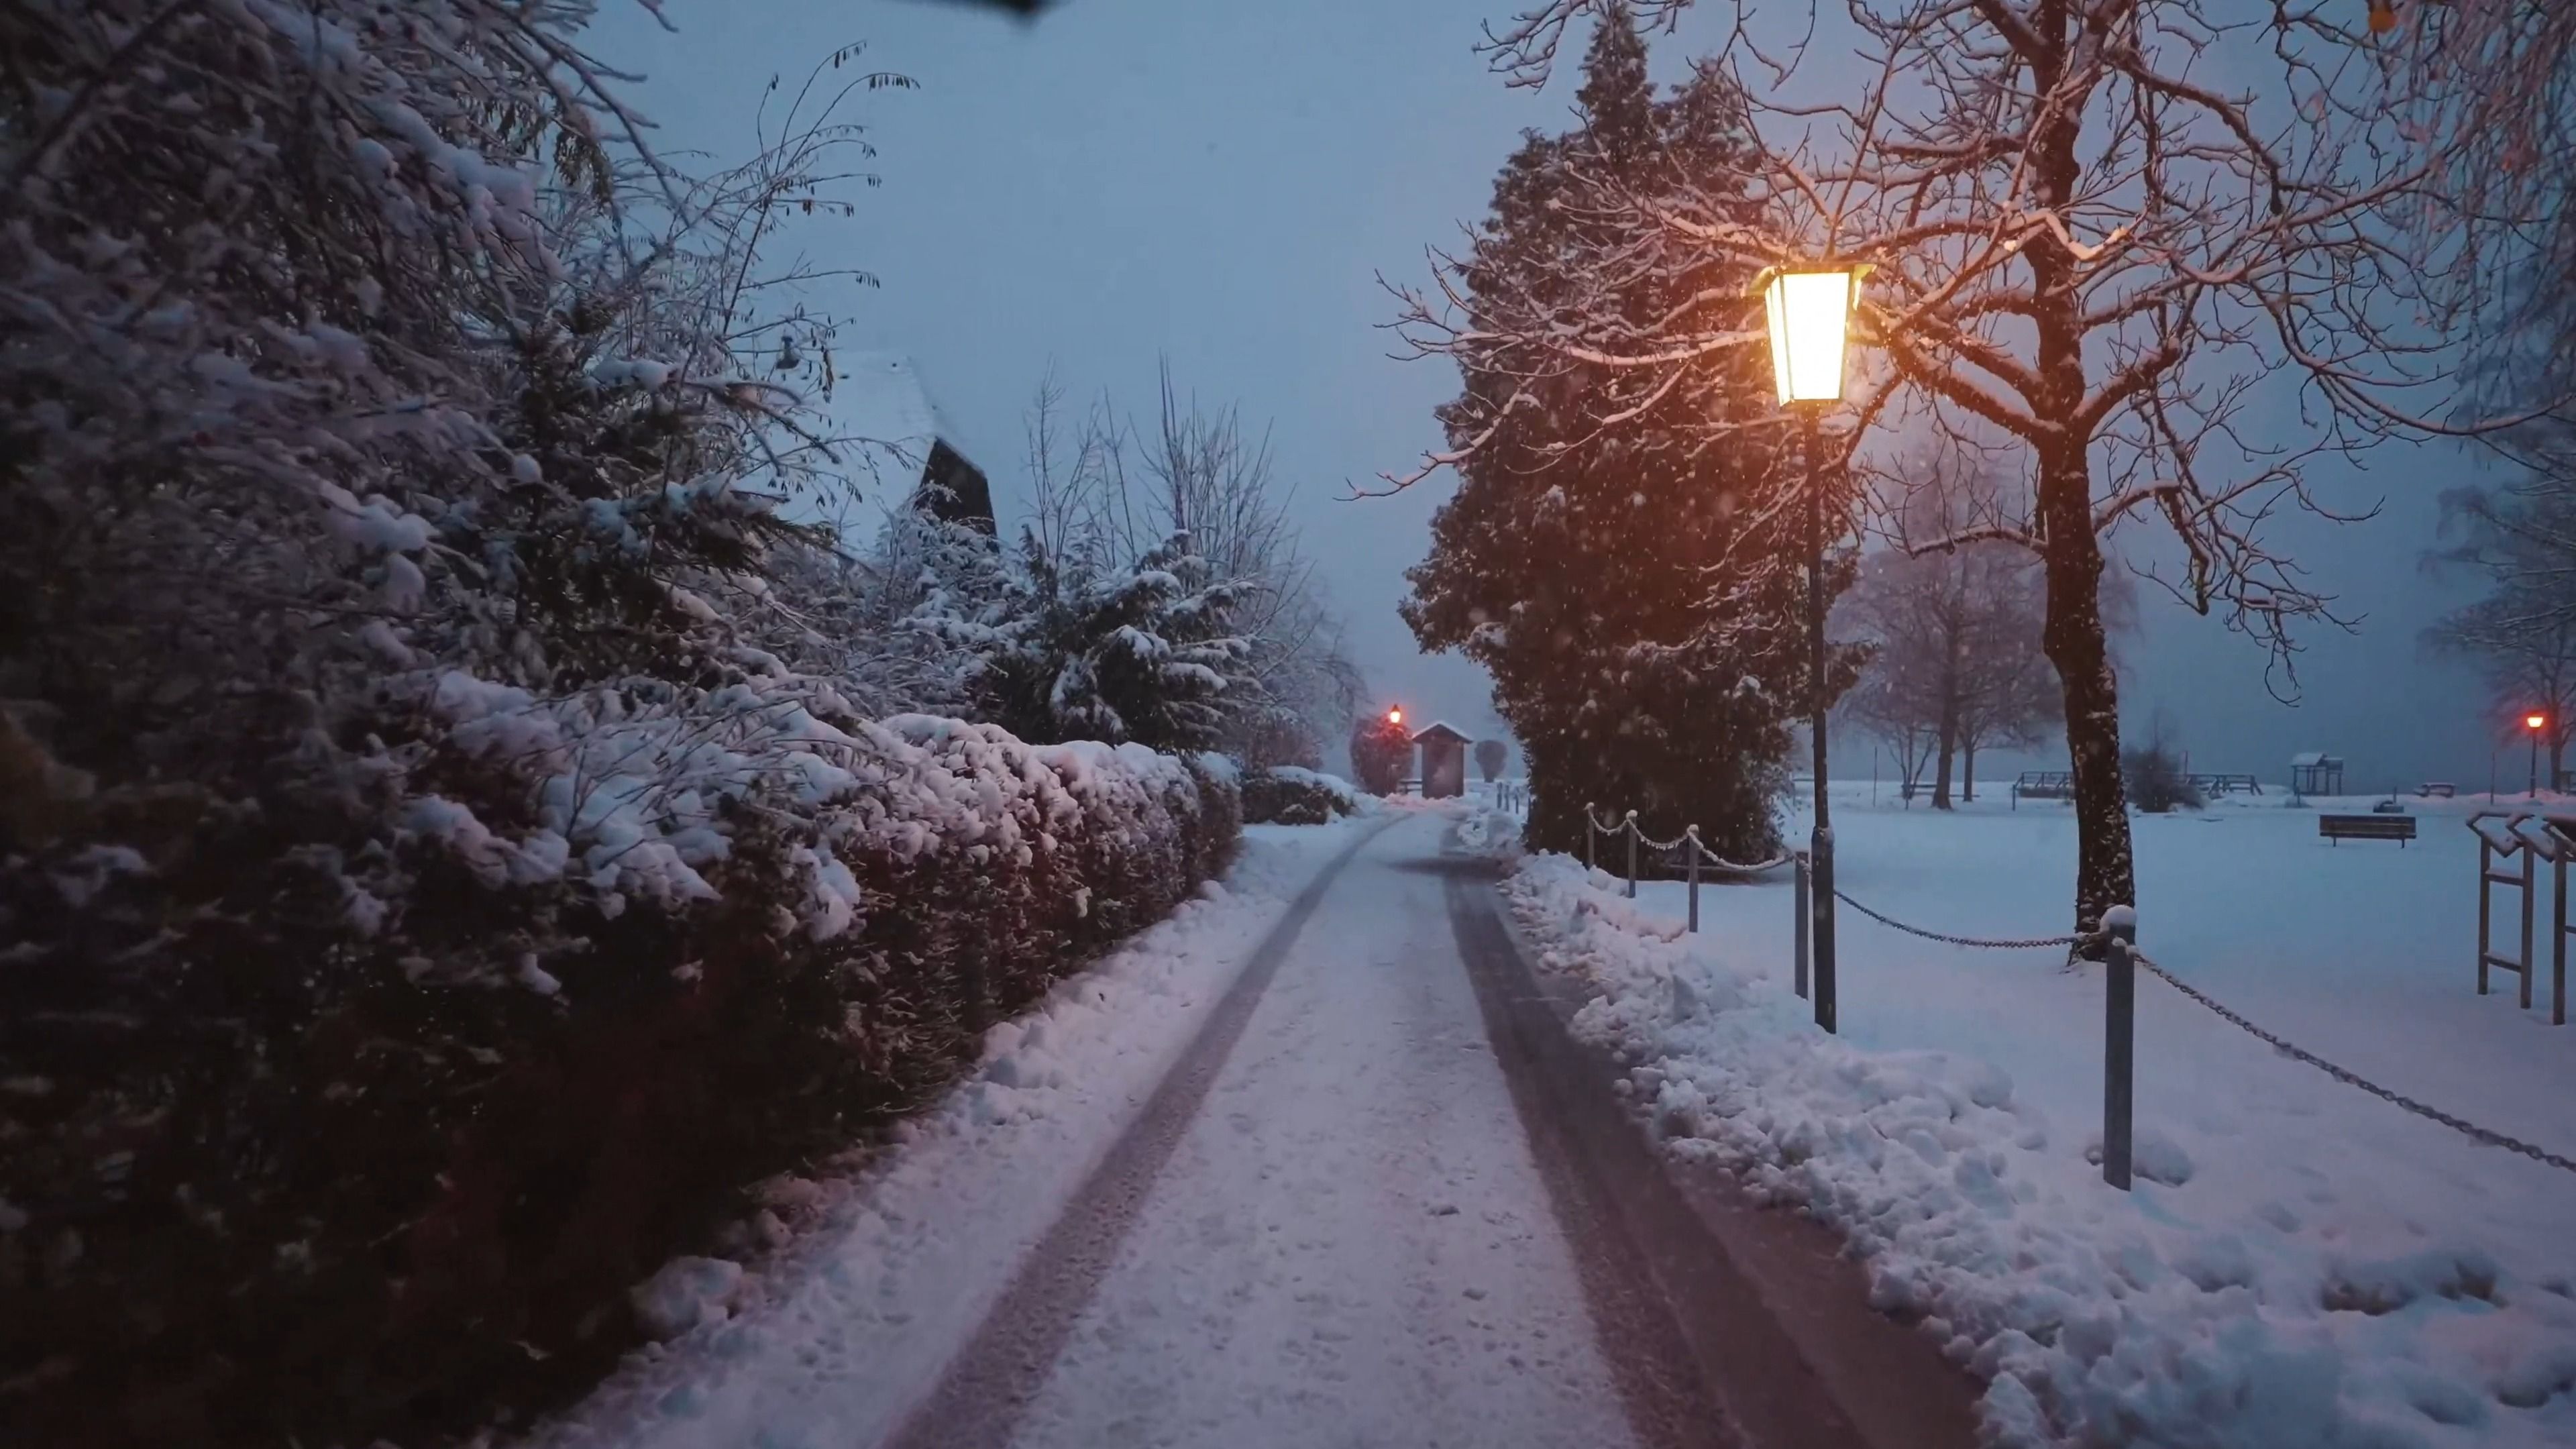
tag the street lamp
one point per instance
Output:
(1809, 313)
(2533, 723)
(1395, 715)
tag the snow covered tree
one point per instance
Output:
(1381, 753)
(1274, 679)
(2081, 242)
(1142, 651)
(1491, 755)
(1633, 590)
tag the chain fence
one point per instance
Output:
(2484, 1135)
(2023, 943)
(1627, 825)
(2350, 1078)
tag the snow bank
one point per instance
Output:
(2305, 1295)
(1289, 795)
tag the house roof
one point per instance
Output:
(879, 403)
(884, 405)
(2310, 759)
(1444, 730)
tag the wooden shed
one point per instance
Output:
(1444, 761)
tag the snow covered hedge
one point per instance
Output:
(1287, 795)
(451, 1090)
(441, 857)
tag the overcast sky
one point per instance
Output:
(1222, 183)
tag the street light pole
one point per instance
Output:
(1808, 311)
(1820, 844)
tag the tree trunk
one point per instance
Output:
(2073, 637)
(2071, 551)
(1968, 763)
(1949, 741)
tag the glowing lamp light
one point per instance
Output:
(1396, 717)
(2535, 721)
(1809, 313)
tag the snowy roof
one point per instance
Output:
(2310, 759)
(1436, 727)
(883, 403)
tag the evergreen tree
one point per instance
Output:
(1633, 597)
(1381, 753)
(1141, 652)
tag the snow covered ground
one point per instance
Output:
(876, 1278)
(1352, 1244)
(2319, 1268)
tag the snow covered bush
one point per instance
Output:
(1142, 650)
(448, 843)
(1286, 795)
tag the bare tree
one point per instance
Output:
(1110, 489)
(2086, 240)
(2521, 538)
(1893, 706)
(2488, 89)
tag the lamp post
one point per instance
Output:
(2532, 724)
(1809, 314)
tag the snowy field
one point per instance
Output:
(860, 1287)
(2318, 1268)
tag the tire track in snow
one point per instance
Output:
(987, 1388)
(1702, 1357)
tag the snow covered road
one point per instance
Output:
(1314, 1163)
(1348, 1241)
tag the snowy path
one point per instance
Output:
(1313, 1163)
(1348, 1242)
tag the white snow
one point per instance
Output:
(2299, 1263)
(893, 1265)
(1351, 1244)
(685, 1294)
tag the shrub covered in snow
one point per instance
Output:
(441, 857)
(1287, 795)
(456, 1096)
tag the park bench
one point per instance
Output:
(2340, 828)
(2043, 785)
(2437, 789)
(2212, 785)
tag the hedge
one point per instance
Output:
(327, 1180)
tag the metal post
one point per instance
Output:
(1798, 905)
(1589, 830)
(2558, 936)
(2528, 882)
(1690, 846)
(2535, 773)
(1630, 826)
(2119, 1042)
(2486, 889)
(1821, 886)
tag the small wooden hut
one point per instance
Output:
(1444, 761)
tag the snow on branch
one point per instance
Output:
(2087, 173)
